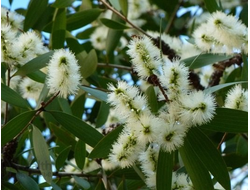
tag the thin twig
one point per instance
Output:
(115, 66)
(171, 19)
(58, 174)
(41, 109)
(222, 140)
(124, 18)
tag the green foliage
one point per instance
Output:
(75, 135)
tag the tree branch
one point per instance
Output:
(58, 174)
(124, 18)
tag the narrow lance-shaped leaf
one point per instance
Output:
(79, 19)
(102, 149)
(78, 128)
(34, 64)
(89, 64)
(113, 24)
(228, 120)
(42, 154)
(124, 7)
(62, 3)
(63, 155)
(164, 170)
(35, 10)
(221, 86)
(209, 156)
(204, 59)
(58, 29)
(211, 5)
(80, 154)
(15, 126)
(82, 182)
(27, 182)
(12, 97)
(96, 93)
(199, 175)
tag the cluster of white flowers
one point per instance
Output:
(144, 130)
(222, 33)
(18, 47)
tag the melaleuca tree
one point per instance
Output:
(126, 94)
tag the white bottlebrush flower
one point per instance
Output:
(14, 20)
(146, 128)
(30, 88)
(148, 160)
(237, 98)
(63, 73)
(174, 79)
(126, 150)
(99, 37)
(29, 45)
(227, 29)
(181, 181)
(204, 39)
(172, 135)
(197, 108)
(127, 100)
(145, 56)
(8, 42)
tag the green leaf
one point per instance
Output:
(15, 125)
(115, 4)
(43, 95)
(211, 5)
(242, 148)
(209, 156)
(152, 99)
(102, 149)
(128, 173)
(35, 10)
(164, 171)
(74, 45)
(63, 136)
(124, 7)
(37, 76)
(12, 97)
(88, 66)
(221, 86)
(244, 72)
(113, 37)
(96, 93)
(80, 154)
(86, 33)
(82, 182)
(199, 175)
(77, 127)
(42, 154)
(113, 24)
(62, 3)
(35, 64)
(64, 104)
(27, 182)
(80, 19)
(58, 29)
(228, 120)
(202, 60)
(4, 68)
(63, 155)
(102, 114)
(76, 106)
